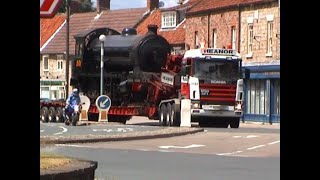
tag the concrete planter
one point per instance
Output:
(76, 170)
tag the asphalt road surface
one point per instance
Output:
(248, 153)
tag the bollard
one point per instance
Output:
(185, 113)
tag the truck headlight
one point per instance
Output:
(195, 105)
(238, 106)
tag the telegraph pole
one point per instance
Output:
(67, 47)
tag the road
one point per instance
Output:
(248, 153)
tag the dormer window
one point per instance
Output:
(169, 20)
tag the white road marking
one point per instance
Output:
(182, 147)
(106, 130)
(232, 153)
(72, 145)
(63, 131)
(274, 142)
(117, 130)
(164, 151)
(41, 131)
(255, 147)
(251, 136)
(236, 136)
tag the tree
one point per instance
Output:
(77, 6)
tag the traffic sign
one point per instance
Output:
(103, 102)
(48, 8)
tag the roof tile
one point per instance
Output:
(79, 22)
(216, 4)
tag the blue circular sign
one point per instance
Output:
(103, 102)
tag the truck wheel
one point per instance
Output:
(235, 122)
(44, 114)
(170, 114)
(59, 115)
(52, 114)
(163, 115)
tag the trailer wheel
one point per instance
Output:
(176, 114)
(52, 114)
(235, 122)
(59, 115)
(170, 115)
(163, 115)
(44, 114)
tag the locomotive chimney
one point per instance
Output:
(103, 5)
(152, 4)
(152, 28)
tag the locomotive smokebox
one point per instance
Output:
(125, 51)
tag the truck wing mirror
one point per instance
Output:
(184, 70)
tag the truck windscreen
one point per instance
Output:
(221, 70)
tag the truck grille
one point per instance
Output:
(223, 94)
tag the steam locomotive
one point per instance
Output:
(130, 62)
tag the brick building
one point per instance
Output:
(252, 27)
(260, 49)
(53, 40)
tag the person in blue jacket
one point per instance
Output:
(73, 99)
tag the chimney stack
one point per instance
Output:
(152, 4)
(103, 5)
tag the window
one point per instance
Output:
(214, 39)
(233, 37)
(269, 38)
(168, 20)
(60, 65)
(60, 62)
(256, 97)
(196, 40)
(45, 59)
(250, 40)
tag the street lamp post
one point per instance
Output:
(102, 38)
(67, 47)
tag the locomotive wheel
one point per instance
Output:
(44, 114)
(52, 114)
(163, 115)
(235, 122)
(59, 115)
(170, 114)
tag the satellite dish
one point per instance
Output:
(161, 4)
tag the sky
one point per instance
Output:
(124, 4)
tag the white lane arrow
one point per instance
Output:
(103, 103)
(63, 130)
(182, 147)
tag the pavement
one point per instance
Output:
(144, 129)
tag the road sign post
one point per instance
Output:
(103, 104)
